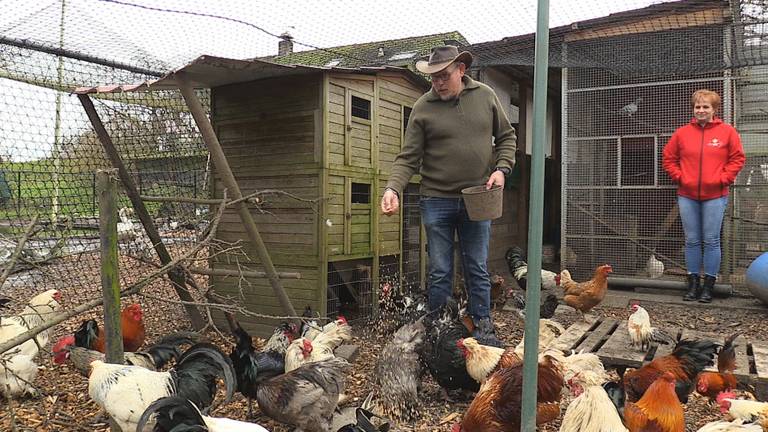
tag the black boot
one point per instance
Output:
(694, 289)
(706, 289)
(485, 333)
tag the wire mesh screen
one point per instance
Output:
(411, 248)
(619, 205)
(49, 157)
(350, 290)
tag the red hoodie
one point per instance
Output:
(704, 161)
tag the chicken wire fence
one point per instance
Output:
(619, 205)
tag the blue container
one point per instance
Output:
(757, 277)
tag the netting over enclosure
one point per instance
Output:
(618, 119)
(318, 123)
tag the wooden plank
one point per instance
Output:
(572, 334)
(596, 336)
(618, 351)
(760, 382)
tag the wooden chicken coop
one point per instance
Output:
(317, 145)
(325, 139)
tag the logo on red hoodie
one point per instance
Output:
(714, 143)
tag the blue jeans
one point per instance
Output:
(443, 218)
(702, 221)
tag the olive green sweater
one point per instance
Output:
(451, 143)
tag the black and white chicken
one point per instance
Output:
(175, 414)
(399, 371)
(125, 391)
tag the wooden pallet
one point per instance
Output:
(609, 339)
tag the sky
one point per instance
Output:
(136, 33)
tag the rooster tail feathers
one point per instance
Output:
(514, 258)
(726, 358)
(244, 341)
(695, 355)
(87, 333)
(171, 412)
(729, 341)
(204, 361)
(168, 347)
(662, 337)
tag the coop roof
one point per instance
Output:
(209, 72)
(519, 50)
(397, 52)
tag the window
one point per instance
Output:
(361, 193)
(637, 161)
(406, 117)
(333, 63)
(403, 56)
(361, 108)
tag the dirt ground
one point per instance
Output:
(64, 404)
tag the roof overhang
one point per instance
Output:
(210, 72)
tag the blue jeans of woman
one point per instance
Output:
(443, 218)
(702, 221)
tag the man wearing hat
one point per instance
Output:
(458, 136)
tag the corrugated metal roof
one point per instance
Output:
(209, 72)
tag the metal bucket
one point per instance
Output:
(483, 204)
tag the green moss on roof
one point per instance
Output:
(367, 54)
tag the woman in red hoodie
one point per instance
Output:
(703, 158)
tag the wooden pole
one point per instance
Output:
(106, 187)
(220, 160)
(177, 277)
(239, 273)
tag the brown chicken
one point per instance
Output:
(497, 406)
(710, 384)
(498, 291)
(583, 296)
(483, 360)
(658, 410)
(687, 360)
(89, 336)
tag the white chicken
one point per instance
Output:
(18, 369)
(337, 328)
(39, 309)
(654, 267)
(125, 228)
(724, 426)
(549, 331)
(302, 351)
(125, 391)
(641, 333)
(17, 373)
(743, 410)
(592, 410)
(172, 412)
(577, 364)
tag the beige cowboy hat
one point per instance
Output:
(441, 57)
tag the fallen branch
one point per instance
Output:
(131, 290)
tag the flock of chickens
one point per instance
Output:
(297, 379)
